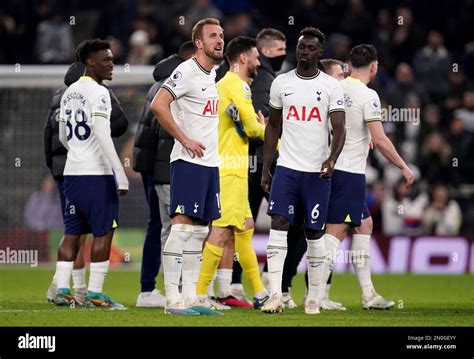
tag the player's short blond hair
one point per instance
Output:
(197, 28)
(327, 63)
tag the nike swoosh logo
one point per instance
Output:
(288, 94)
(203, 88)
(313, 222)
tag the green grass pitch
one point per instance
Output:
(421, 300)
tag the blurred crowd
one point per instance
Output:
(426, 64)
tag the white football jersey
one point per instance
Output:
(306, 103)
(362, 106)
(83, 103)
(195, 110)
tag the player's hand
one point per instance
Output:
(408, 174)
(327, 169)
(122, 192)
(266, 181)
(194, 148)
(260, 117)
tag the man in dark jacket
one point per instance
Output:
(151, 158)
(272, 48)
(271, 45)
(56, 155)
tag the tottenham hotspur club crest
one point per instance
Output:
(196, 206)
(319, 95)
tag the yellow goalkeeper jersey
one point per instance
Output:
(235, 127)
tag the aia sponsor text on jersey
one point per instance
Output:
(303, 113)
(211, 108)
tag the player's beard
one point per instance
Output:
(252, 72)
(216, 58)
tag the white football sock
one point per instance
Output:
(173, 259)
(63, 273)
(361, 262)
(79, 278)
(192, 258)
(97, 276)
(237, 286)
(276, 253)
(316, 258)
(331, 243)
(224, 279)
(326, 292)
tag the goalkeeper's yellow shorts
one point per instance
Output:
(234, 202)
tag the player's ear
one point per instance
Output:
(373, 67)
(198, 43)
(90, 61)
(243, 57)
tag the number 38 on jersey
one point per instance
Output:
(81, 130)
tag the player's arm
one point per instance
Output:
(372, 118)
(387, 149)
(252, 127)
(104, 139)
(272, 133)
(101, 111)
(338, 123)
(337, 117)
(160, 106)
